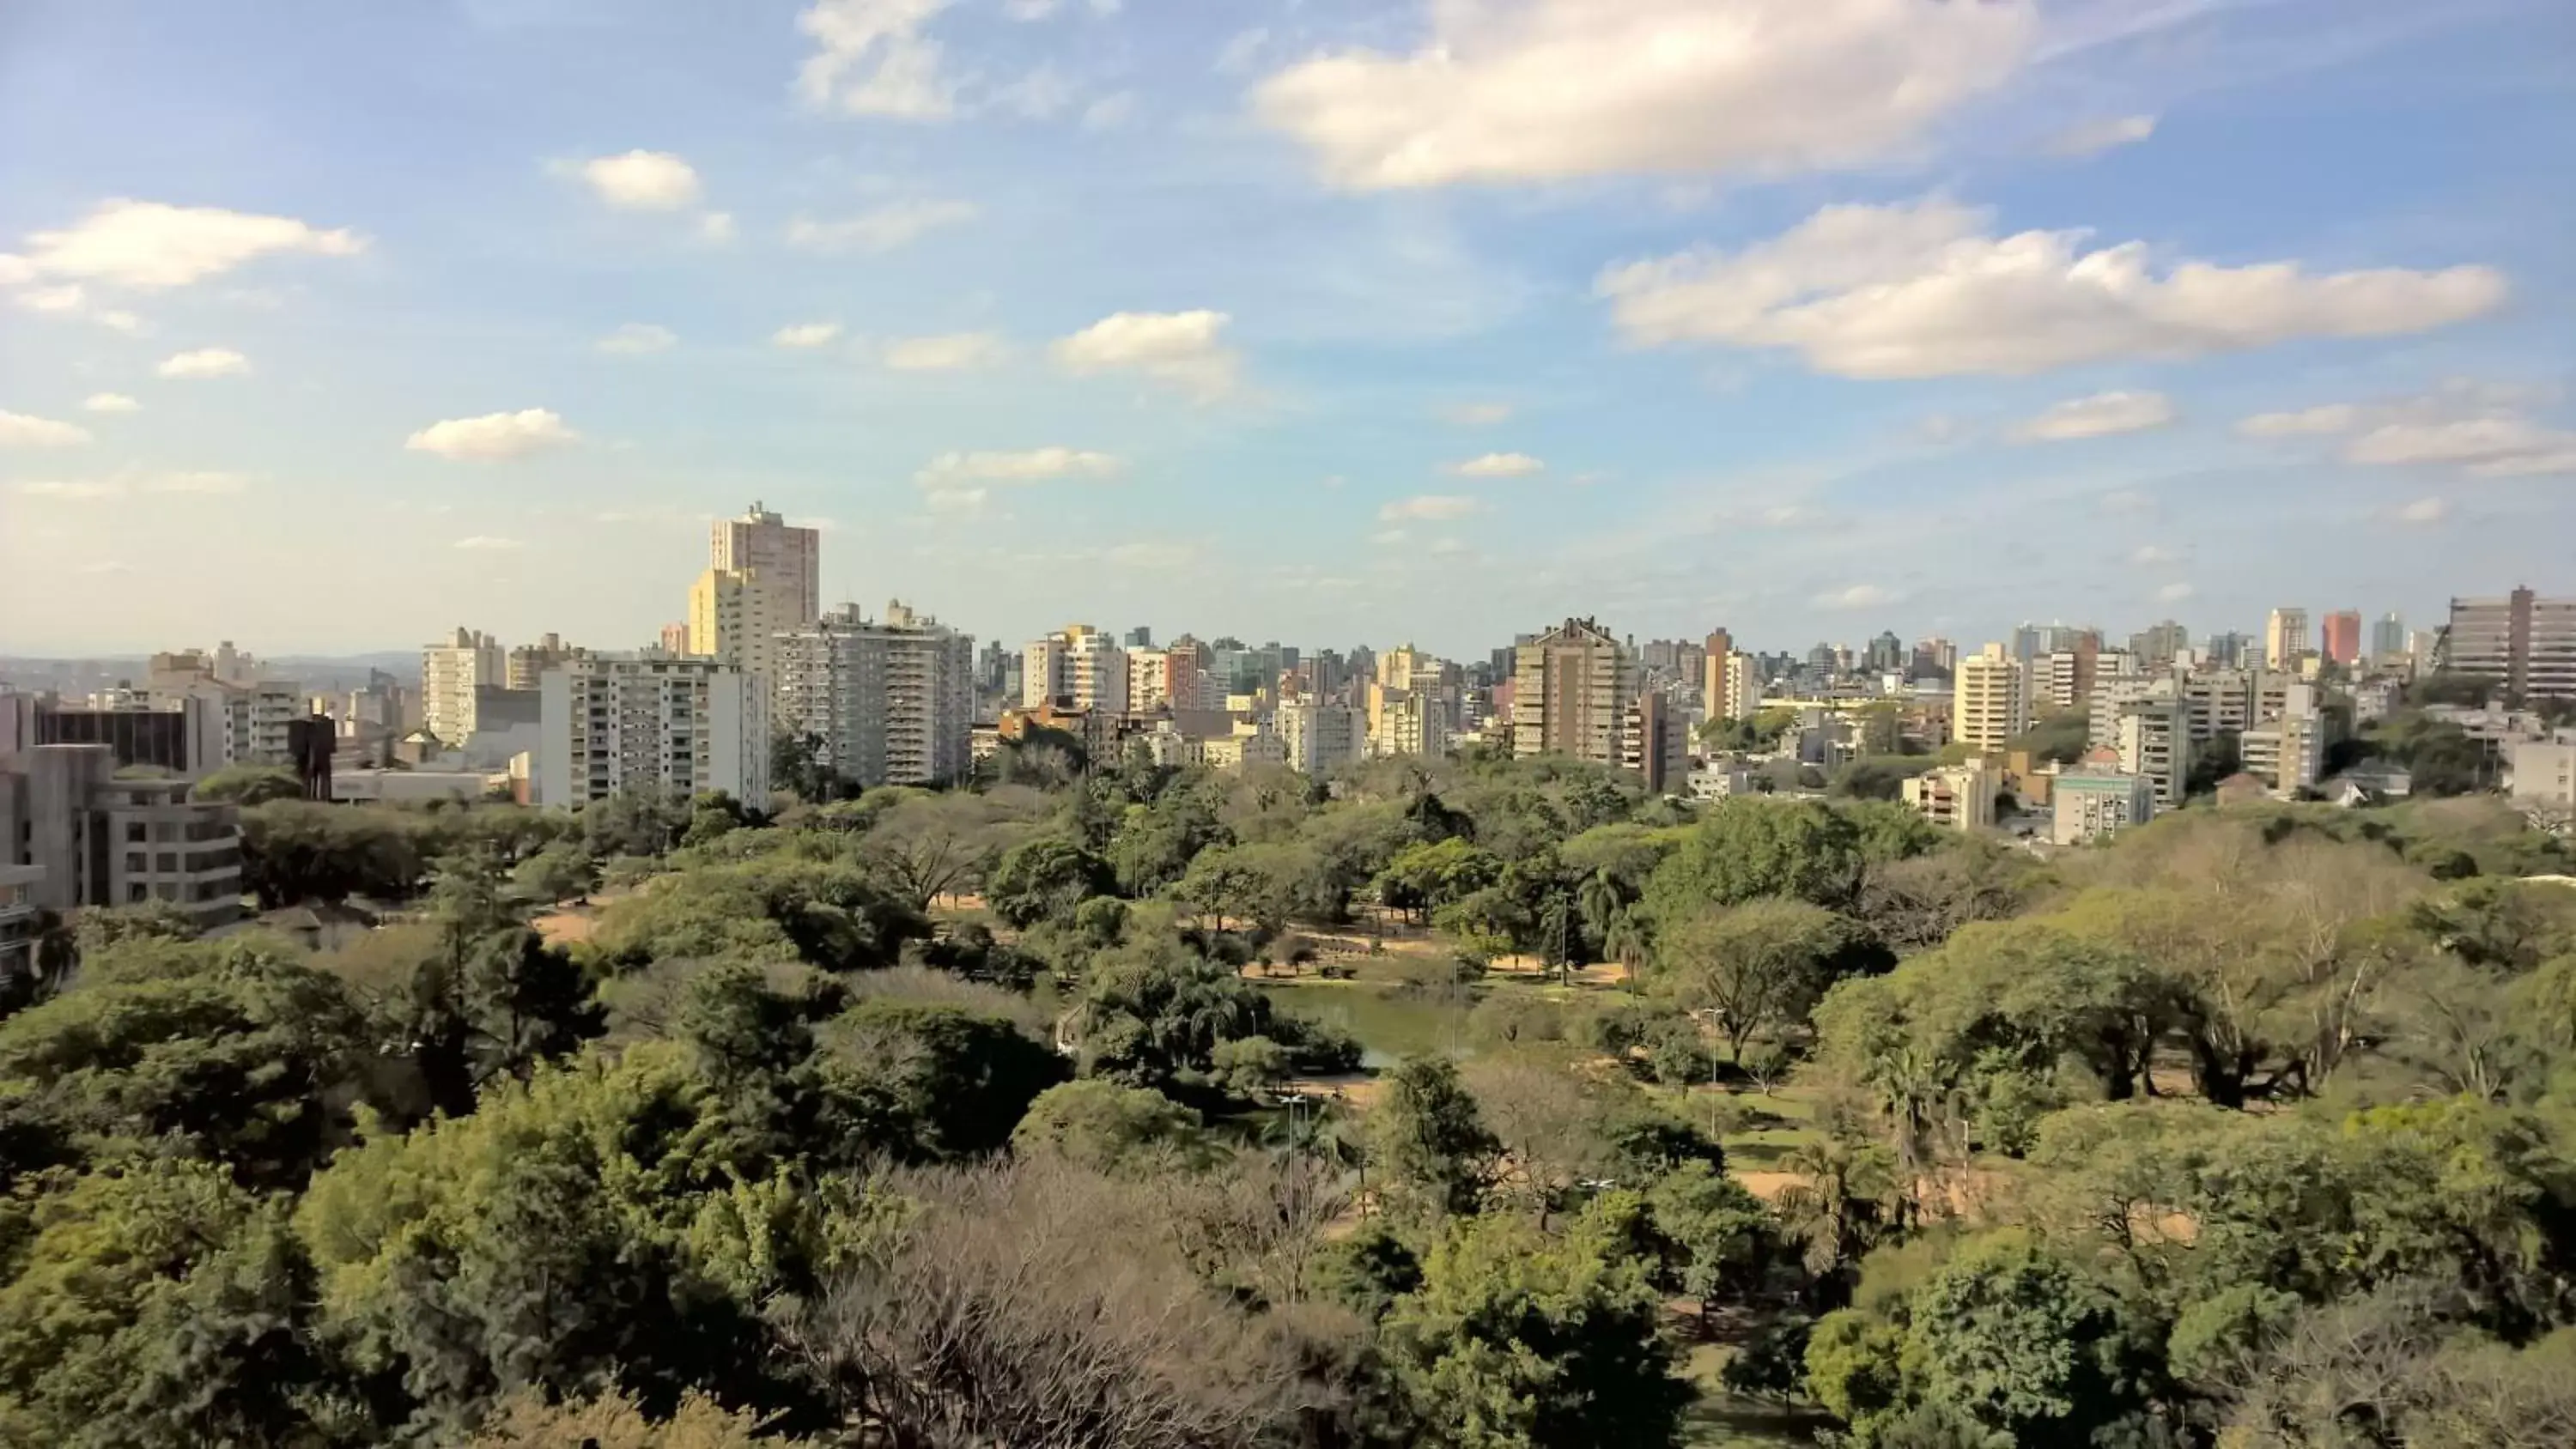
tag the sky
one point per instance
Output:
(329, 327)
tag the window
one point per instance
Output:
(135, 832)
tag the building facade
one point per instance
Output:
(2286, 639)
(2525, 642)
(450, 672)
(1573, 688)
(2091, 805)
(654, 722)
(2342, 637)
(736, 616)
(2155, 743)
(1989, 698)
(95, 840)
(1958, 797)
(890, 702)
(790, 558)
(529, 662)
(1318, 738)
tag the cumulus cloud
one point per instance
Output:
(805, 334)
(873, 59)
(1858, 596)
(493, 437)
(2478, 428)
(1034, 465)
(1184, 349)
(66, 298)
(642, 181)
(955, 502)
(953, 352)
(1498, 465)
(148, 246)
(881, 230)
(204, 362)
(638, 337)
(2091, 138)
(1922, 290)
(110, 402)
(1428, 508)
(1524, 90)
(2098, 416)
(23, 430)
(1478, 414)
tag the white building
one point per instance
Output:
(449, 675)
(1318, 739)
(2287, 751)
(2090, 805)
(2155, 742)
(652, 721)
(1410, 724)
(93, 839)
(1077, 664)
(892, 701)
(1989, 699)
(736, 616)
(1720, 782)
(2544, 775)
(1739, 692)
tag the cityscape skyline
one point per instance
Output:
(1282, 320)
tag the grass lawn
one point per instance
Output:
(1388, 1026)
(1721, 1420)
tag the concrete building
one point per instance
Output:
(2342, 638)
(2287, 749)
(1318, 739)
(1077, 667)
(1655, 744)
(2525, 641)
(96, 840)
(892, 701)
(2388, 640)
(736, 616)
(1409, 724)
(2155, 742)
(1737, 680)
(650, 721)
(791, 559)
(18, 918)
(2090, 805)
(1989, 698)
(1573, 687)
(2544, 775)
(1958, 797)
(529, 662)
(450, 672)
(2286, 639)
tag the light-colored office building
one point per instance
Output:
(2544, 775)
(450, 672)
(2091, 805)
(2526, 642)
(1989, 698)
(96, 840)
(891, 701)
(1737, 682)
(1572, 691)
(1076, 665)
(790, 558)
(2287, 640)
(1409, 724)
(1317, 738)
(736, 616)
(1957, 797)
(2155, 742)
(651, 721)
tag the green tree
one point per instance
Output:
(1110, 1128)
(248, 785)
(1744, 849)
(2027, 1346)
(1760, 966)
(1715, 1236)
(1427, 1138)
(1043, 880)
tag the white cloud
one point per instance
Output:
(1498, 465)
(2152, 554)
(199, 482)
(1921, 291)
(205, 362)
(2091, 138)
(111, 402)
(1858, 596)
(1447, 547)
(642, 181)
(1428, 508)
(2175, 593)
(149, 246)
(1389, 537)
(1525, 90)
(955, 502)
(2098, 416)
(805, 334)
(873, 59)
(638, 337)
(2422, 513)
(22, 430)
(66, 298)
(1241, 51)
(2332, 418)
(118, 321)
(1184, 349)
(83, 492)
(954, 352)
(716, 227)
(2125, 501)
(493, 437)
(881, 230)
(1110, 111)
(486, 543)
(1478, 414)
(1041, 95)
(1034, 465)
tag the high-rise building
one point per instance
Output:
(2286, 639)
(675, 637)
(1989, 698)
(1409, 724)
(1078, 666)
(2226, 650)
(1149, 679)
(2525, 642)
(1572, 688)
(2388, 639)
(2160, 644)
(891, 701)
(736, 616)
(450, 672)
(791, 559)
(529, 662)
(2343, 637)
(651, 722)
(2155, 741)
(1886, 652)
(2287, 750)
(1140, 637)
(1320, 738)
(1739, 686)
(1654, 744)
(1935, 655)
(73, 834)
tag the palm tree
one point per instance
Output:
(1600, 898)
(1624, 940)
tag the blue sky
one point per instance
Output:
(330, 326)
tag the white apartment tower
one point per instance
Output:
(791, 559)
(651, 721)
(736, 616)
(892, 701)
(1989, 698)
(450, 672)
(2155, 742)
(1739, 693)
(1320, 738)
(1077, 663)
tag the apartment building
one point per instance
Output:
(1958, 797)
(2388, 640)
(791, 559)
(651, 721)
(1572, 691)
(1735, 686)
(736, 616)
(2342, 637)
(2090, 805)
(891, 701)
(1654, 744)
(450, 672)
(2527, 642)
(1409, 724)
(1989, 698)
(1317, 738)
(1079, 666)
(2544, 775)
(529, 662)
(72, 834)
(2155, 742)
(2286, 639)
